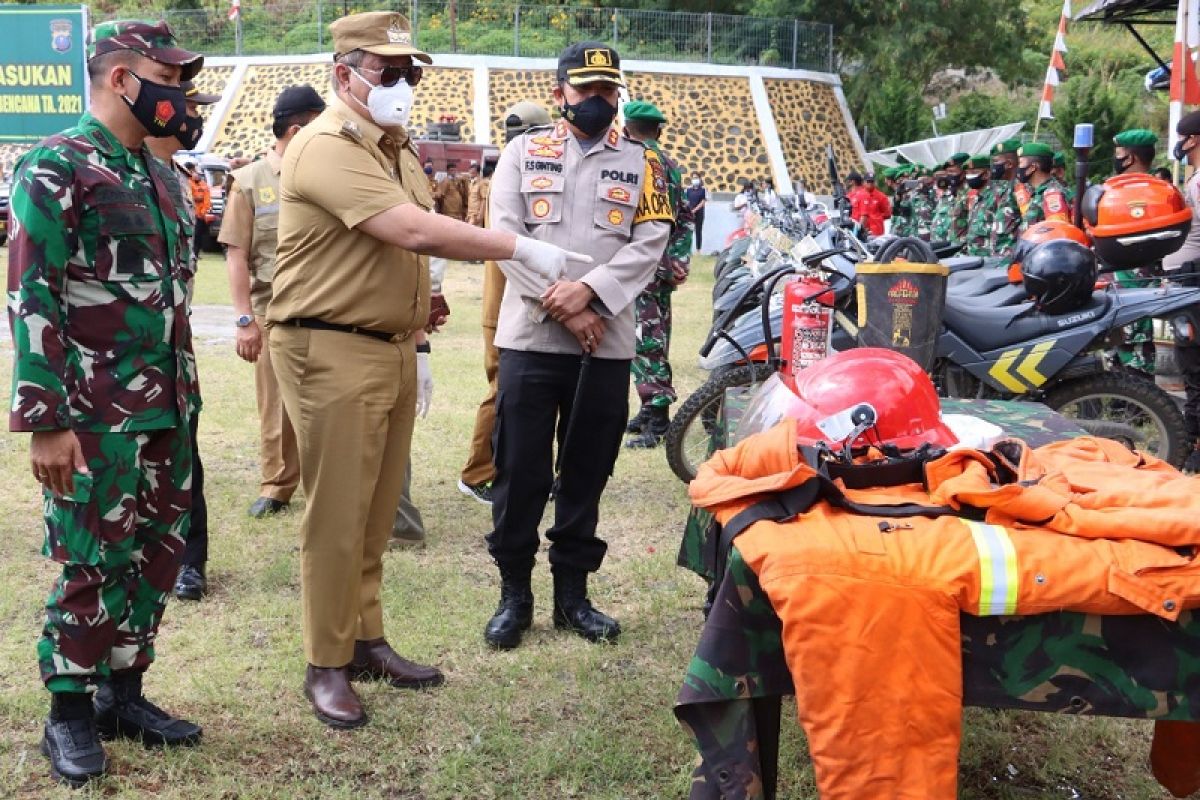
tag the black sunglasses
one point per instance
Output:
(390, 76)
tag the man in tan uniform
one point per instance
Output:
(248, 232)
(581, 182)
(451, 193)
(477, 186)
(349, 292)
(476, 478)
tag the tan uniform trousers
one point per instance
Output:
(278, 457)
(480, 467)
(352, 400)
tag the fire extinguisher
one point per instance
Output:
(807, 322)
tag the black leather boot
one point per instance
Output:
(514, 615)
(635, 424)
(653, 429)
(1191, 466)
(122, 711)
(71, 742)
(574, 611)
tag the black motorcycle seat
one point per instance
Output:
(962, 263)
(992, 328)
(977, 282)
(1010, 294)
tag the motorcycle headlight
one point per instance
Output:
(1185, 329)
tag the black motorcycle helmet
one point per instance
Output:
(1059, 275)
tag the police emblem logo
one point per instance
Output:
(60, 35)
(541, 208)
(541, 183)
(600, 57)
(396, 33)
(266, 195)
(618, 194)
(616, 217)
(1137, 211)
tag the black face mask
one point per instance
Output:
(998, 171)
(975, 181)
(1119, 165)
(1025, 175)
(189, 135)
(1179, 152)
(161, 109)
(592, 116)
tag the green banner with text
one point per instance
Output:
(43, 73)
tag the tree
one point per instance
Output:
(895, 114)
(1090, 98)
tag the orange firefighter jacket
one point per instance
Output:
(870, 604)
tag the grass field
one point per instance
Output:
(556, 718)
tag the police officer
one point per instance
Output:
(651, 368)
(475, 481)
(106, 385)
(249, 232)
(1183, 266)
(580, 182)
(349, 293)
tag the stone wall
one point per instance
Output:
(808, 117)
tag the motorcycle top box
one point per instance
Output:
(1135, 220)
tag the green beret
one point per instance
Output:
(890, 173)
(643, 110)
(1060, 159)
(981, 162)
(958, 158)
(1036, 150)
(1136, 137)
(1007, 146)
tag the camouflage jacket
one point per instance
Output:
(979, 223)
(1046, 202)
(679, 245)
(1006, 219)
(950, 217)
(98, 271)
(922, 215)
(902, 219)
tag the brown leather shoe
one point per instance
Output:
(376, 660)
(333, 698)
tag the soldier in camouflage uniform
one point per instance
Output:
(1006, 215)
(650, 367)
(901, 207)
(979, 207)
(1133, 152)
(922, 205)
(1039, 195)
(950, 214)
(106, 384)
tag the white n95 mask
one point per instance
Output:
(389, 106)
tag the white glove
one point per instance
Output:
(424, 385)
(547, 260)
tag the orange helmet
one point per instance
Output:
(1135, 219)
(868, 396)
(1046, 231)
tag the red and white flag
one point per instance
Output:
(235, 9)
(1057, 66)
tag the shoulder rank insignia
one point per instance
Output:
(560, 130)
(613, 137)
(352, 130)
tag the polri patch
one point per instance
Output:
(618, 194)
(616, 217)
(619, 176)
(541, 208)
(541, 183)
(543, 151)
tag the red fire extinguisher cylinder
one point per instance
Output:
(807, 322)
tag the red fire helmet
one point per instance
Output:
(851, 387)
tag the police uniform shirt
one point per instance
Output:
(340, 170)
(610, 203)
(251, 222)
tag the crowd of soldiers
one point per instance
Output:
(982, 202)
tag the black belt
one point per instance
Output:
(321, 325)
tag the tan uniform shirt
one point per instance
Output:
(340, 170)
(610, 203)
(251, 222)
(477, 200)
(451, 197)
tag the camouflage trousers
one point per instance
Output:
(1137, 350)
(119, 537)
(650, 368)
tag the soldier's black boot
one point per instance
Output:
(635, 424)
(514, 615)
(122, 711)
(653, 429)
(1191, 466)
(573, 610)
(71, 742)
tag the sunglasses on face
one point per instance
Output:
(390, 76)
